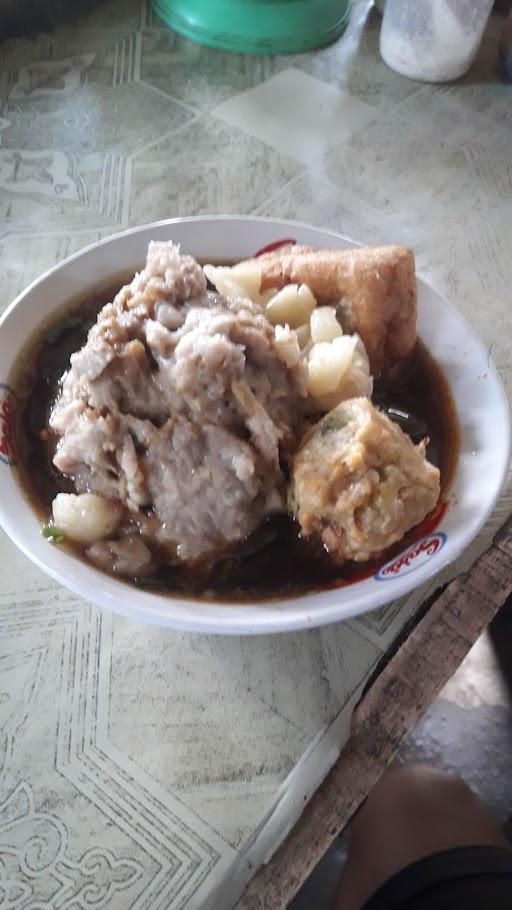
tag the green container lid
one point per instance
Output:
(257, 26)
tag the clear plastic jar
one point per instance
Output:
(432, 40)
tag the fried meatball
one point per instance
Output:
(359, 482)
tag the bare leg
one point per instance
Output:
(411, 813)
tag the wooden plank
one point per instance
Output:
(389, 710)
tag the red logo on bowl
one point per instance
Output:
(415, 556)
(6, 409)
(271, 247)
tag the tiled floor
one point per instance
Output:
(468, 731)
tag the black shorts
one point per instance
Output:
(466, 878)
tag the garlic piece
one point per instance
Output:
(327, 364)
(287, 345)
(241, 280)
(324, 325)
(87, 517)
(292, 305)
(356, 381)
(247, 276)
(303, 335)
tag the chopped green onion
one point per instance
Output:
(53, 534)
(147, 582)
(329, 425)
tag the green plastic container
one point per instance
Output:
(257, 26)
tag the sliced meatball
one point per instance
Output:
(359, 482)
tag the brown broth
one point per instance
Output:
(275, 562)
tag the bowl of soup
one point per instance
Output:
(243, 425)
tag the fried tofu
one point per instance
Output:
(376, 287)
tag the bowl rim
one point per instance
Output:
(268, 615)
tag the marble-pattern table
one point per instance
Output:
(138, 767)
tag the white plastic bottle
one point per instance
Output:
(432, 40)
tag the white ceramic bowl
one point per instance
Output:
(477, 390)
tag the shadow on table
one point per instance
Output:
(27, 17)
(500, 632)
(318, 890)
